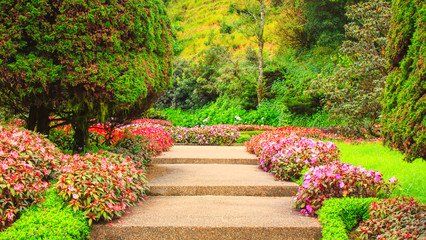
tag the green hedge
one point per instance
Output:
(404, 101)
(50, 220)
(339, 216)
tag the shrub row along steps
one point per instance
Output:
(211, 193)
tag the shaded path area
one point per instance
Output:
(207, 192)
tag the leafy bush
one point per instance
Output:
(289, 162)
(49, 220)
(256, 143)
(336, 180)
(27, 162)
(159, 139)
(135, 147)
(101, 185)
(270, 148)
(208, 135)
(395, 218)
(338, 216)
(404, 108)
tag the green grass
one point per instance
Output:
(375, 156)
(246, 136)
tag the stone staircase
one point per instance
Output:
(200, 192)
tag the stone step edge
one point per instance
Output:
(203, 232)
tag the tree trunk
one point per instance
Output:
(81, 134)
(261, 43)
(32, 118)
(43, 121)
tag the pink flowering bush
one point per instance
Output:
(27, 162)
(336, 180)
(299, 154)
(101, 185)
(271, 148)
(160, 122)
(208, 135)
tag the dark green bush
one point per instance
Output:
(50, 220)
(338, 216)
(404, 102)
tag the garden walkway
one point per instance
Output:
(200, 192)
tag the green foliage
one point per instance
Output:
(373, 155)
(83, 60)
(338, 216)
(395, 218)
(404, 103)
(49, 220)
(354, 90)
(136, 147)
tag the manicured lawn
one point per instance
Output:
(375, 156)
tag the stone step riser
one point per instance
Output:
(261, 191)
(204, 161)
(205, 233)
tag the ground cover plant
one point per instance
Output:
(206, 135)
(52, 219)
(394, 218)
(27, 162)
(120, 183)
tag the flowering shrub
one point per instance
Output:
(271, 148)
(101, 185)
(255, 144)
(27, 162)
(161, 122)
(302, 153)
(159, 138)
(339, 180)
(136, 147)
(208, 135)
(395, 218)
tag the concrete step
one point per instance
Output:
(210, 217)
(206, 155)
(215, 179)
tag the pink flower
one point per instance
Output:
(393, 180)
(18, 187)
(341, 184)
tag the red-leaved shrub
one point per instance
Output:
(336, 180)
(27, 162)
(102, 185)
(159, 138)
(394, 218)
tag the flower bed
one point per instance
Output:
(209, 135)
(119, 184)
(395, 218)
(339, 180)
(159, 139)
(299, 154)
(27, 162)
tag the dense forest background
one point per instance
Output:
(333, 63)
(306, 44)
